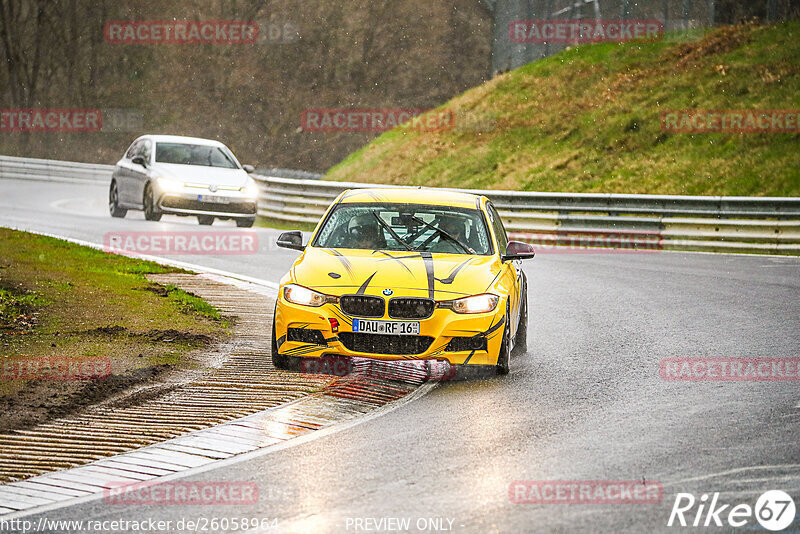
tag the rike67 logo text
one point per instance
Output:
(774, 510)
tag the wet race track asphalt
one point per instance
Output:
(586, 402)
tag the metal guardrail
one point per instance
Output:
(290, 173)
(576, 220)
(49, 170)
(582, 220)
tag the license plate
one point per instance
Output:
(398, 328)
(213, 199)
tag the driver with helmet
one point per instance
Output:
(454, 226)
(364, 232)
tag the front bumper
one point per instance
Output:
(442, 327)
(229, 204)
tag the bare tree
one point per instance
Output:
(21, 22)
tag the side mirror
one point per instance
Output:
(249, 169)
(517, 250)
(139, 160)
(292, 240)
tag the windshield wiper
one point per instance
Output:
(438, 230)
(392, 232)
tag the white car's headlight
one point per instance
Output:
(170, 184)
(303, 296)
(251, 189)
(475, 304)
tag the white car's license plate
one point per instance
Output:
(213, 199)
(401, 328)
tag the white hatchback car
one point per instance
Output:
(184, 176)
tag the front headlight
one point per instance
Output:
(251, 189)
(475, 304)
(303, 296)
(170, 184)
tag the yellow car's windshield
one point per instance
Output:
(409, 227)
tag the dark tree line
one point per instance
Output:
(52, 52)
(22, 56)
(349, 53)
(736, 11)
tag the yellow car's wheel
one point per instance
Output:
(281, 361)
(504, 355)
(521, 339)
(471, 372)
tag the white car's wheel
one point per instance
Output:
(151, 211)
(113, 202)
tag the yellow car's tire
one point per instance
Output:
(471, 372)
(504, 355)
(521, 339)
(281, 361)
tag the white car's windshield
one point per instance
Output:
(186, 154)
(408, 227)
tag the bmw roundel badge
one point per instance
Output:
(387, 292)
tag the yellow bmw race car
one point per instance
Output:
(404, 274)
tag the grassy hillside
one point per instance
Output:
(588, 120)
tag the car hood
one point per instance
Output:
(410, 274)
(201, 175)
